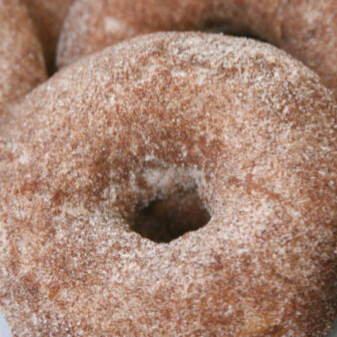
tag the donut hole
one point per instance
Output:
(164, 220)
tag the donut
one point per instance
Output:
(160, 128)
(305, 28)
(48, 16)
(21, 60)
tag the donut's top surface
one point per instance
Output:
(305, 28)
(249, 129)
(21, 60)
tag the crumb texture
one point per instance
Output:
(21, 60)
(305, 28)
(251, 131)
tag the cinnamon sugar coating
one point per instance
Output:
(249, 128)
(48, 16)
(21, 60)
(305, 28)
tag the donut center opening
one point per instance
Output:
(164, 220)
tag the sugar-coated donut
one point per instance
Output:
(239, 128)
(305, 28)
(21, 59)
(48, 16)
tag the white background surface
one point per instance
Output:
(4, 331)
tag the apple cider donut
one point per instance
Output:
(305, 28)
(48, 16)
(231, 129)
(21, 60)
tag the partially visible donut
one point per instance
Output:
(21, 60)
(305, 28)
(246, 129)
(309, 32)
(48, 16)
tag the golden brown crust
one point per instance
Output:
(48, 17)
(250, 128)
(21, 60)
(305, 28)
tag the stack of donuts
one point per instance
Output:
(161, 179)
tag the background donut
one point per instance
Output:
(21, 60)
(48, 17)
(246, 128)
(305, 28)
